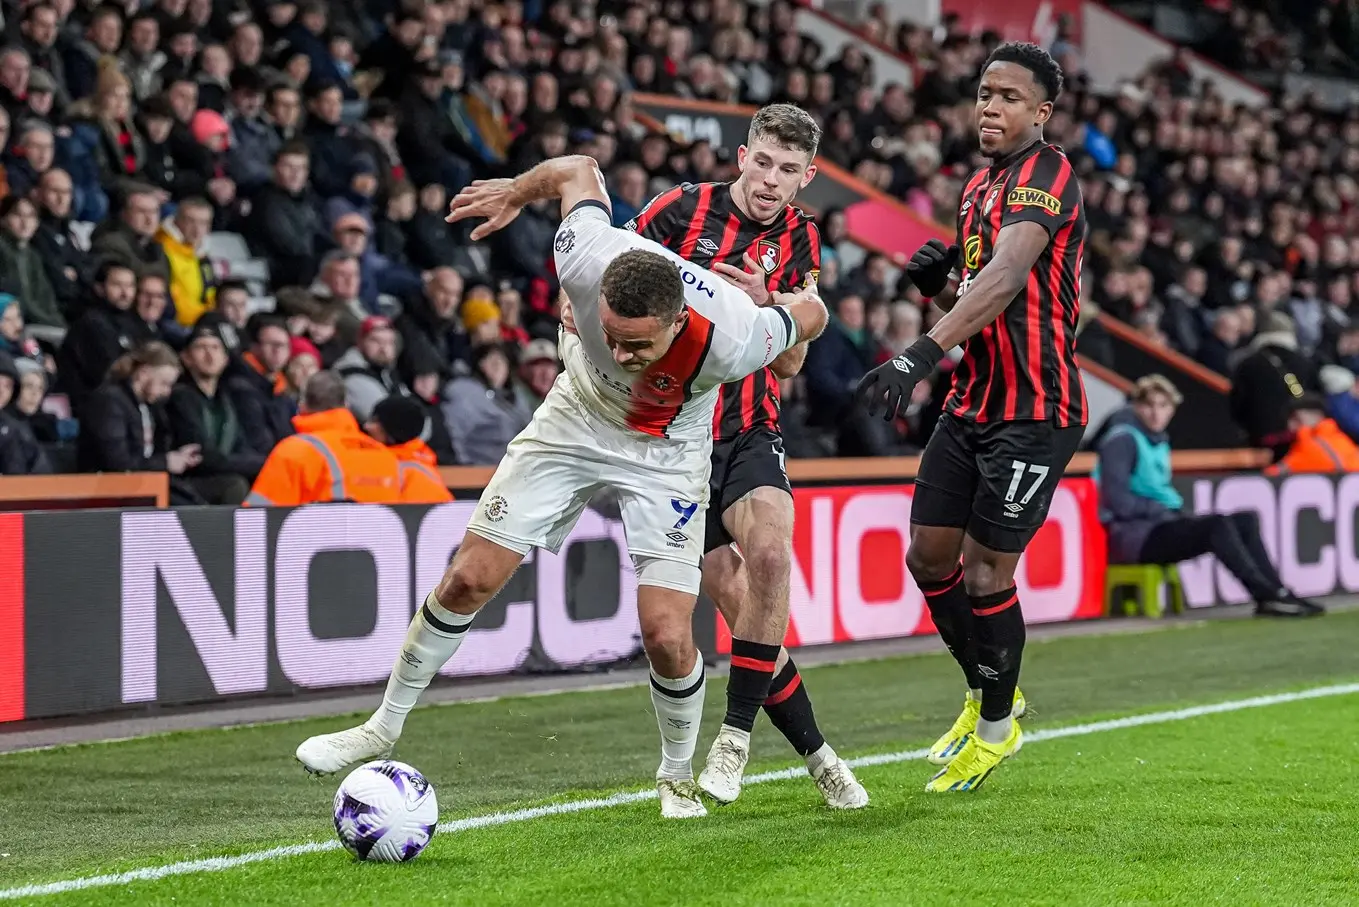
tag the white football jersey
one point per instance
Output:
(725, 338)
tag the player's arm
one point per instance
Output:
(1018, 247)
(1036, 207)
(575, 179)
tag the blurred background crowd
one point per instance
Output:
(261, 185)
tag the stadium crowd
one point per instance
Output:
(331, 136)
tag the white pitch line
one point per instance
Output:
(221, 864)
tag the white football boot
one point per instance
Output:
(680, 799)
(328, 753)
(839, 786)
(721, 775)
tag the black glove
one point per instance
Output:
(930, 266)
(891, 383)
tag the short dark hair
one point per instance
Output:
(787, 125)
(232, 283)
(293, 148)
(1047, 72)
(261, 322)
(324, 390)
(108, 266)
(643, 284)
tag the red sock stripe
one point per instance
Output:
(787, 691)
(948, 584)
(987, 612)
(752, 664)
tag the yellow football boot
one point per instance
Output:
(975, 762)
(953, 741)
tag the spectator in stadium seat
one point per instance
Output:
(328, 140)
(430, 242)
(102, 38)
(229, 317)
(481, 411)
(523, 250)
(253, 143)
(358, 195)
(1142, 511)
(283, 224)
(1266, 382)
(99, 335)
(182, 238)
(537, 372)
(835, 362)
(1319, 443)
(430, 144)
(15, 68)
(368, 369)
(427, 384)
(155, 317)
(124, 428)
(428, 325)
(27, 405)
(330, 459)
(141, 59)
(132, 238)
(21, 268)
(304, 360)
(480, 315)
(120, 150)
(258, 388)
(20, 452)
(67, 268)
(201, 413)
(1219, 349)
(402, 424)
(398, 53)
(30, 156)
(13, 339)
(389, 226)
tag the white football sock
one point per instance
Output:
(994, 731)
(976, 694)
(679, 708)
(434, 636)
(823, 756)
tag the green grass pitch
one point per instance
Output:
(1257, 805)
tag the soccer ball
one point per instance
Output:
(385, 811)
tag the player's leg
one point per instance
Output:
(1020, 465)
(677, 678)
(941, 507)
(663, 495)
(533, 500)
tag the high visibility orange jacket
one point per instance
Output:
(420, 482)
(1323, 447)
(329, 459)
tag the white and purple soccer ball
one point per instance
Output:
(386, 812)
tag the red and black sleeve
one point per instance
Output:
(1044, 190)
(665, 219)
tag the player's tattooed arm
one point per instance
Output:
(574, 179)
(995, 286)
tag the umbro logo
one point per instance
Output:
(902, 364)
(1013, 507)
(707, 245)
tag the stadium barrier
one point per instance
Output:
(135, 609)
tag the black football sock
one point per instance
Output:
(752, 670)
(998, 622)
(790, 710)
(951, 611)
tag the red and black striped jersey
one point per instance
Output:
(1023, 365)
(701, 222)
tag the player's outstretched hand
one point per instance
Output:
(750, 281)
(490, 199)
(930, 266)
(890, 385)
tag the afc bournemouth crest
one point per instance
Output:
(767, 254)
(566, 241)
(991, 201)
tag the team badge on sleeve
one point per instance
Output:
(566, 241)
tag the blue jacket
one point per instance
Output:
(835, 363)
(1344, 409)
(1135, 490)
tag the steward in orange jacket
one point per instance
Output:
(330, 459)
(400, 422)
(1319, 444)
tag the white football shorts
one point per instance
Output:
(567, 454)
